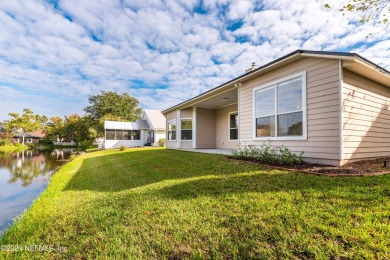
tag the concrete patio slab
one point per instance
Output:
(212, 151)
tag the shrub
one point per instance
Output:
(267, 153)
(122, 148)
(5, 142)
(84, 145)
(161, 142)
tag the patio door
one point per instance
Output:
(151, 137)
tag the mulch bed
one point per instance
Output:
(355, 169)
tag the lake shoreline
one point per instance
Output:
(24, 175)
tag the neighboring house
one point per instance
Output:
(335, 107)
(144, 132)
(157, 126)
(30, 138)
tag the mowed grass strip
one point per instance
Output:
(157, 203)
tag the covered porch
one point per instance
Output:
(209, 124)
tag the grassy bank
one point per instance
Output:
(163, 203)
(10, 148)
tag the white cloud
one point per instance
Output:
(162, 52)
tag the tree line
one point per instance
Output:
(82, 129)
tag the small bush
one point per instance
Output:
(267, 153)
(84, 145)
(122, 148)
(5, 142)
(161, 142)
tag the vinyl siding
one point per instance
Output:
(323, 102)
(366, 118)
(222, 128)
(205, 128)
(186, 113)
(171, 116)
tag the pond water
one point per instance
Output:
(23, 176)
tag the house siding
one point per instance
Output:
(171, 116)
(366, 118)
(205, 128)
(186, 113)
(322, 94)
(222, 128)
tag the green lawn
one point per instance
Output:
(10, 148)
(157, 203)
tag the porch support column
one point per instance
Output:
(194, 127)
(178, 129)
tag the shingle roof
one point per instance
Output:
(34, 134)
(155, 118)
(297, 52)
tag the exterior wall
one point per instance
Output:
(366, 118)
(158, 134)
(186, 113)
(144, 136)
(170, 116)
(222, 128)
(205, 128)
(27, 140)
(109, 144)
(322, 93)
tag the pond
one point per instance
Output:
(23, 176)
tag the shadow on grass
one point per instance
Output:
(133, 169)
(357, 191)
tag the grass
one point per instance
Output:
(10, 148)
(157, 203)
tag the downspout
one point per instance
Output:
(239, 111)
(341, 119)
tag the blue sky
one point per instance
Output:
(54, 54)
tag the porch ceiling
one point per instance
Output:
(220, 100)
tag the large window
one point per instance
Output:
(186, 129)
(233, 126)
(280, 109)
(171, 130)
(115, 134)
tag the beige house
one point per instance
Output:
(335, 107)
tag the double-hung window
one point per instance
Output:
(280, 109)
(171, 135)
(186, 129)
(233, 126)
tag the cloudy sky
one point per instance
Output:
(54, 54)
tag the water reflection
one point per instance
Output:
(23, 176)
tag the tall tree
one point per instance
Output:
(26, 123)
(78, 128)
(54, 128)
(111, 103)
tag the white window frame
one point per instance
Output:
(29, 140)
(192, 129)
(304, 109)
(171, 140)
(229, 128)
